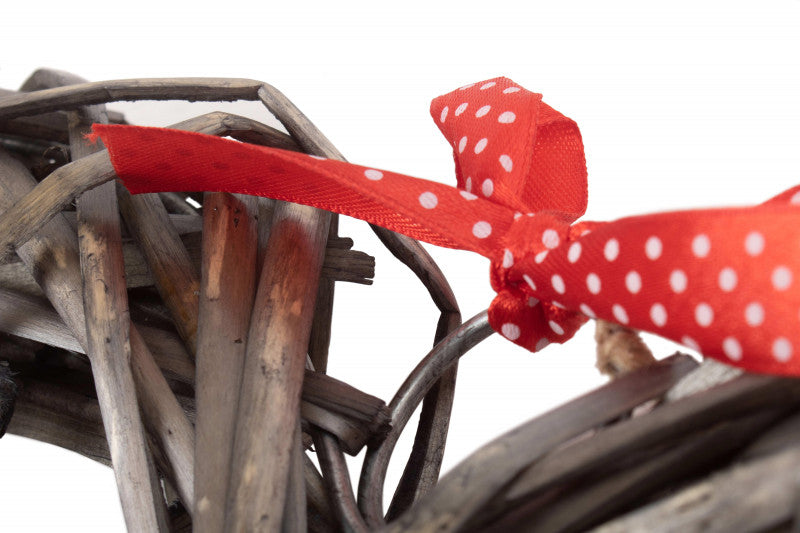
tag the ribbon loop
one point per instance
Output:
(512, 148)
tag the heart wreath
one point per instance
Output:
(721, 281)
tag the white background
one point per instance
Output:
(681, 104)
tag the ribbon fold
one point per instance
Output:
(722, 281)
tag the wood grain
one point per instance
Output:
(759, 495)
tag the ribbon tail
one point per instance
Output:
(725, 282)
(159, 160)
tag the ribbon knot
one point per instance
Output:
(522, 312)
(725, 282)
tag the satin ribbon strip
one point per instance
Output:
(722, 281)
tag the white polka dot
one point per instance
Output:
(517, 215)
(653, 248)
(633, 282)
(732, 348)
(373, 174)
(462, 144)
(428, 200)
(487, 85)
(482, 111)
(703, 315)
(465, 87)
(467, 195)
(611, 249)
(781, 278)
(701, 245)
(540, 257)
(550, 238)
(658, 314)
(532, 302)
(443, 116)
(480, 145)
(586, 310)
(619, 313)
(557, 329)
(678, 281)
(754, 314)
(506, 163)
(482, 229)
(782, 349)
(529, 281)
(593, 283)
(510, 90)
(557, 304)
(542, 343)
(795, 199)
(690, 343)
(510, 331)
(727, 279)
(754, 243)
(506, 117)
(487, 188)
(460, 109)
(468, 184)
(558, 284)
(574, 252)
(508, 258)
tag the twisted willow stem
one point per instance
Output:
(402, 406)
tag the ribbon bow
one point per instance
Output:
(721, 281)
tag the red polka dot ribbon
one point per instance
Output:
(722, 281)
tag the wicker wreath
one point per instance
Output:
(137, 346)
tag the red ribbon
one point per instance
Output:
(722, 281)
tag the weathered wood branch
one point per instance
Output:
(422, 469)
(454, 501)
(104, 92)
(759, 495)
(175, 277)
(274, 367)
(107, 325)
(340, 264)
(347, 421)
(53, 257)
(353, 416)
(226, 303)
(8, 396)
(416, 387)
